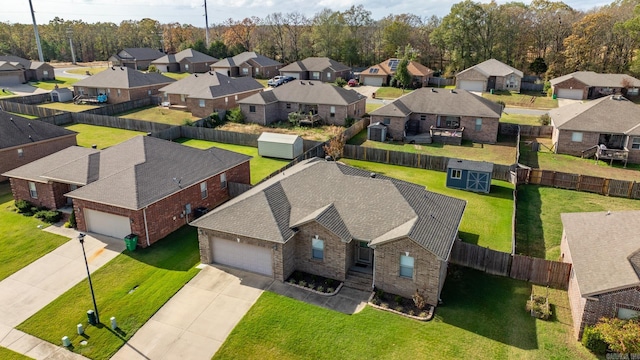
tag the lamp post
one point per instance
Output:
(73, 54)
(95, 307)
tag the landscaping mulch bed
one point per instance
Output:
(400, 305)
(316, 283)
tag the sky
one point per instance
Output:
(192, 11)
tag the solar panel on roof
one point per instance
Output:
(393, 64)
(373, 71)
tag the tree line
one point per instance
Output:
(543, 37)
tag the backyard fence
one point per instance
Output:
(544, 131)
(535, 270)
(22, 108)
(113, 109)
(316, 151)
(30, 99)
(529, 86)
(227, 137)
(439, 81)
(58, 119)
(354, 129)
(119, 123)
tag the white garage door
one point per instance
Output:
(372, 81)
(10, 80)
(471, 85)
(575, 94)
(242, 256)
(294, 75)
(107, 224)
(162, 68)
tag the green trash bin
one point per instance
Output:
(131, 241)
(554, 96)
(491, 91)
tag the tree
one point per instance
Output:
(218, 49)
(402, 72)
(538, 66)
(335, 146)
(623, 336)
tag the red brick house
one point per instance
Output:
(451, 113)
(187, 60)
(145, 186)
(203, 94)
(581, 85)
(489, 75)
(32, 70)
(317, 68)
(249, 64)
(23, 141)
(135, 58)
(381, 74)
(604, 251)
(320, 217)
(121, 84)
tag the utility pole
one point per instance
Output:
(206, 25)
(35, 29)
(73, 53)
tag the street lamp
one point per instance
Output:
(73, 54)
(95, 307)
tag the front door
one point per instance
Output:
(491, 84)
(364, 252)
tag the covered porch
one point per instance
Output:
(446, 135)
(360, 274)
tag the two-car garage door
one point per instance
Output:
(575, 94)
(471, 85)
(241, 255)
(107, 224)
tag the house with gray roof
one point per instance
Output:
(249, 64)
(203, 94)
(23, 140)
(320, 217)
(317, 68)
(489, 75)
(121, 84)
(604, 251)
(321, 101)
(581, 85)
(16, 70)
(381, 74)
(143, 186)
(135, 58)
(441, 114)
(187, 60)
(608, 128)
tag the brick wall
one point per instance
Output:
(576, 301)
(427, 269)
(395, 128)
(176, 99)
(607, 305)
(267, 114)
(571, 84)
(487, 134)
(212, 105)
(471, 75)
(10, 158)
(333, 265)
(564, 144)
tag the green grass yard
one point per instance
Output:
(5, 92)
(483, 317)
(91, 69)
(131, 287)
(487, 217)
(520, 119)
(51, 84)
(67, 106)
(176, 76)
(534, 100)
(6, 354)
(159, 114)
(101, 136)
(388, 92)
(370, 107)
(31, 117)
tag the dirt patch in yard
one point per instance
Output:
(318, 133)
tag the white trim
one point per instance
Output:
(146, 228)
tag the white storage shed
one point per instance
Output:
(61, 95)
(282, 146)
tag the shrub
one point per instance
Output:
(152, 69)
(341, 82)
(23, 206)
(501, 103)
(384, 305)
(419, 300)
(412, 313)
(544, 119)
(539, 307)
(379, 293)
(213, 120)
(72, 219)
(292, 281)
(375, 301)
(320, 288)
(312, 286)
(302, 283)
(398, 299)
(399, 308)
(187, 122)
(592, 340)
(330, 290)
(349, 121)
(235, 115)
(423, 314)
(49, 216)
(67, 225)
(547, 88)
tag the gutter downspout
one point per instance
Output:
(146, 228)
(373, 264)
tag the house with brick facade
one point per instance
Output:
(145, 186)
(188, 60)
(323, 102)
(608, 128)
(203, 94)
(16, 70)
(320, 217)
(604, 251)
(582, 85)
(381, 74)
(317, 68)
(249, 64)
(441, 114)
(23, 140)
(121, 84)
(489, 75)
(135, 58)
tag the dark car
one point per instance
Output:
(352, 83)
(288, 78)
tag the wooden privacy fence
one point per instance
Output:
(525, 130)
(113, 109)
(28, 109)
(317, 151)
(227, 137)
(535, 270)
(59, 119)
(120, 123)
(354, 129)
(30, 99)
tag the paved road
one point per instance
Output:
(62, 72)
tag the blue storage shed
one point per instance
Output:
(469, 175)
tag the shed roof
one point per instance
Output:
(278, 138)
(482, 166)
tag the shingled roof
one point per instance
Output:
(385, 69)
(123, 78)
(25, 63)
(340, 198)
(305, 92)
(211, 85)
(243, 58)
(493, 67)
(140, 53)
(191, 55)
(16, 130)
(611, 114)
(591, 78)
(315, 64)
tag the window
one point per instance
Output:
(223, 180)
(32, 190)
(423, 117)
(20, 152)
(315, 75)
(165, 95)
(252, 108)
(81, 91)
(328, 76)
(257, 70)
(317, 248)
(226, 99)
(406, 266)
(626, 314)
(576, 137)
(201, 102)
(386, 121)
(456, 174)
(245, 71)
(288, 106)
(332, 111)
(45, 72)
(109, 92)
(149, 92)
(182, 97)
(187, 209)
(633, 91)
(203, 190)
(635, 143)
(236, 97)
(186, 67)
(118, 92)
(478, 124)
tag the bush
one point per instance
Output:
(341, 82)
(235, 116)
(545, 119)
(330, 290)
(539, 307)
(500, 102)
(349, 121)
(187, 122)
(419, 300)
(320, 288)
(49, 216)
(213, 120)
(72, 219)
(547, 88)
(592, 340)
(23, 206)
(152, 69)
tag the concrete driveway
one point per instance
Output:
(564, 102)
(24, 89)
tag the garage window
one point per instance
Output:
(317, 248)
(406, 266)
(20, 153)
(456, 174)
(635, 143)
(332, 111)
(203, 190)
(386, 121)
(223, 180)
(252, 108)
(633, 91)
(576, 137)
(33, 192)
(478, 124)
(201, 103)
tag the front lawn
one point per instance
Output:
(21, 242)
(487, 217)
(131, 287)
(388, 92)
(70, 106)
(260, 166)
(51, 84)
(176, 76)
(159, 114)
(91, 69)
(6, 354)
(5, 92)
(101, 136)
(483, 317)
(520, 119)
(539, 229)
(533, 99)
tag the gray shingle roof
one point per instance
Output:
(602, 249)
(243, 58)
(16, 130)
(211, 85)
(315, 64)
(306, 92)
(441, 102)
(142, 53)
(493, 67)
(610, 114)
(340, 198)
(191, 55)
(591, 78)
(470, 165)
(123, 78)
(34, 170)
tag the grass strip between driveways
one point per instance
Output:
(154, 274)
(6, 354)
(21, 242)
(487, 217)
(483, 317)
(101, 136)
(51, 84)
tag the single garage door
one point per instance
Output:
(107, 224)
(294, 75)
(10, 80)
(471, 85)
(242, 256)
(575, 94)
(372, 81)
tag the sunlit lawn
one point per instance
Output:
(316, 133)
(101, 136)
(51, 84)
(31, 117)
(370, 107)
(91, 69)
(6, 354)
(534, 99)
(388, 92)
(67, 106)
(159, 114)
(176, 76)
(520, 119)
(5, 92)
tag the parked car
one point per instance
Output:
(288, 78)
(276, 81)
(352, 82)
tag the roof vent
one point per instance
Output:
(113, 68)
(94, 146)
(328, 158)
(453, 91)
(301, 82)
(121, 68)
(310, 83)
(373, 175)
(196, 75)
(608, 212)
(433, 90)
(210, 73)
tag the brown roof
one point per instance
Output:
(591, 78)
(385, 68)
(123, 78)
(306, 92)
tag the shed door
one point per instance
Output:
(477, 181)
(242, 256)
(107, 224)
(575, 94)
